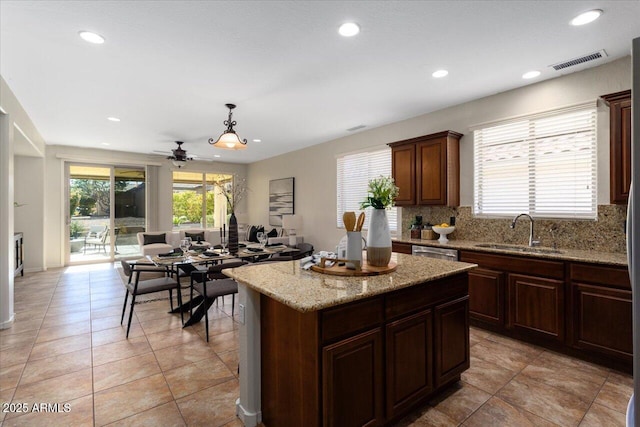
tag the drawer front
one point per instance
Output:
(419, 297)
(601, 275)
(348, 319)
(516, 264)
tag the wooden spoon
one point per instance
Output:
(349, 219)
(360, 222)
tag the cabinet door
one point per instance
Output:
(403, 170)
(409, 361)
(486, 296)
(451, 340)
(431, 174)
(401, 247)
(620, 146)
(536, 306)
(602, 320)
(352, 381)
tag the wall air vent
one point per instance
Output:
(356, 128)
(581, 60)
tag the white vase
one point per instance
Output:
(378, 239)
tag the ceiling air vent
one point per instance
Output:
(356, 128)
(581, 60)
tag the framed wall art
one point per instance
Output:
(281, 199)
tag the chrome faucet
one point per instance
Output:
(532, 242)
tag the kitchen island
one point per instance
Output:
(327, 350)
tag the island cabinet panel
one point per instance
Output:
(403, 170)
(352, 383)
(366, 362)
(486, 296)
(536, 306)
(602, 311)
(409, 361)
(290, 365)
(451, 340)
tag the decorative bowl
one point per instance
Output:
(443, 231)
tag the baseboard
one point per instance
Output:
(8, 323)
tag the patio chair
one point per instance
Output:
(136, 287)
(96, 236)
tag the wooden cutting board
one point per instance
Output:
(365, 269)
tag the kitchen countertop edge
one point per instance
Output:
(594, 257)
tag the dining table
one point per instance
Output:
(247, 252)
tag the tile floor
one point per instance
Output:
(67, 347)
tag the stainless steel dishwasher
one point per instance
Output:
(431, 252)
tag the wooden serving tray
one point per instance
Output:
(363, 269)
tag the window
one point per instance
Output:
(196, 201)
(544, 165)
(354, 172)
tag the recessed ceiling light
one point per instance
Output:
(113, 119)
(257, 140)
(216, 155)
(91, 37)
(349, 29)
(105, 143)
(586, 17)
(530, 74)
(440, 73)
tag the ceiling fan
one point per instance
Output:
(179, 156)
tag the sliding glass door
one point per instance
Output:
(106, 209)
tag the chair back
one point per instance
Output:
(95, 230)
(126, 268)
(305, 249)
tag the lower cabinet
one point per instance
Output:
(536, 306)
(352, 383)
(582, 309)
(364, 363)
(451, 340)
(409, 361)
(486, 295)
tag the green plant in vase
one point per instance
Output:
(381, 194)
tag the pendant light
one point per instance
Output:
(229, 140)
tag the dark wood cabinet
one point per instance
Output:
(368, 362)
(581, 309)
(536, 306)
(403, 170)
(401, 247)
(409, 361)
(18, 240)
(452, 334)
(427, 169)
(619, 144)
(602, 311)
(352, 383)
(486, 296)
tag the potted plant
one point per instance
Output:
(381, 194)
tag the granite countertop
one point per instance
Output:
(306, 290)
(608, 258)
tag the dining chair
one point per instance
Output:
(136, 287)
(211, 284)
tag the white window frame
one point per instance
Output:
(543, 164)
(353, 172)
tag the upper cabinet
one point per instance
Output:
(426, 169)
(620, 144)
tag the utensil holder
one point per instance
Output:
(354, 248)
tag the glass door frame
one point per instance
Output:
(112, 211)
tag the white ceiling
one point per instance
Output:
(168, 67)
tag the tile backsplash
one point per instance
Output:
(606, 234)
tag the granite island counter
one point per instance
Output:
(327, 350)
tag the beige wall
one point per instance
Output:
(314, 168)
(159, 188)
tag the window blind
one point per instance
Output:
(354, 173)
(544, 165)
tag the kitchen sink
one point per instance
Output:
(526, 249)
